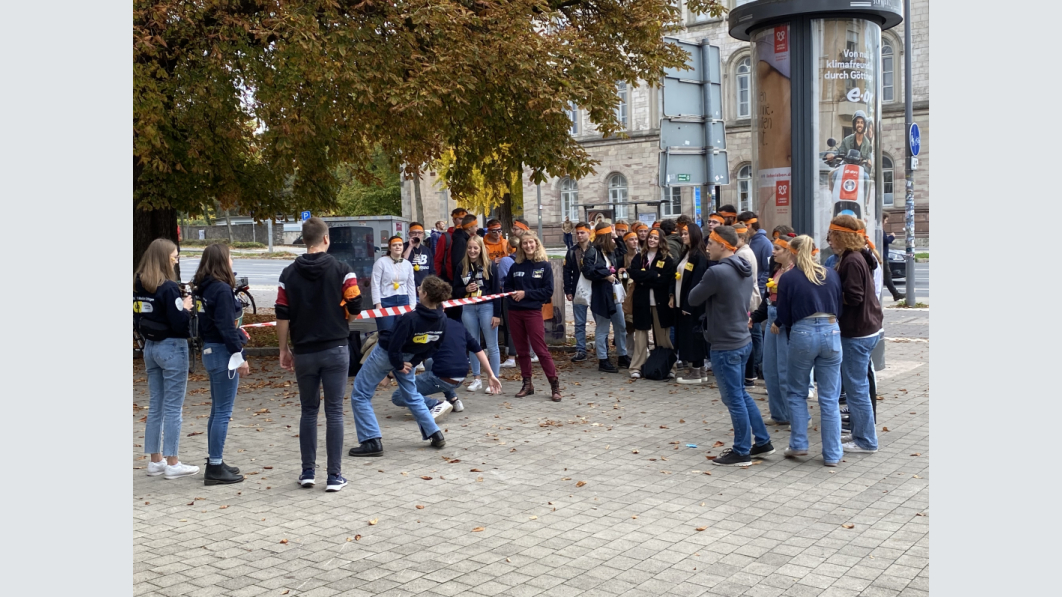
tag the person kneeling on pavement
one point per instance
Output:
(447, 369)
(415, 336)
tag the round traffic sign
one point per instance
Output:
(915, 139)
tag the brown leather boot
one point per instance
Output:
(526, 389)
(554, 386)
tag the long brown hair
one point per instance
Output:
(662, 249)
(215, 263)
(155, 266)
(604, 242)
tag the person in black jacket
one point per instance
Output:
(599, 265)
(415, 337)
(218, 310)
(419, 253)
(691, 346)
(316, 295)
(475, 276)
(162, 315)
(572, 271)
(653, 272)
(530, 279)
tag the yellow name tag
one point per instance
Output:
(689, 267)
(660, 264)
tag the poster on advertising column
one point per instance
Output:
(772, 148)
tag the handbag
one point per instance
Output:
(583, 291)
(658, 366)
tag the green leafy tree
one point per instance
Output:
(358, 199)
(234, 98)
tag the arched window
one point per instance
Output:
(744, 181)
(617, 193)
(570, 199)
(742, 89)
(621, 109)
(888, 73)
(886, 179)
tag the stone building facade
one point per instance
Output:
(630, 167)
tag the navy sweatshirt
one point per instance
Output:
(218, 311)
(491, 285)
(418, 333)
(762, 247)
(423, 259)
(451, 360)
(535, 278)
(315, 293)
(161, 314)
(799, 297)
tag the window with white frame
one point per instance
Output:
(672, 202)
(888, 72)
(851, 44)
(573, 115)
(622, 108)
(570, 199)
(744, 181)
(617, 193)
(886, 179)
(742, 81)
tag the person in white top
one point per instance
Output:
(392, 282)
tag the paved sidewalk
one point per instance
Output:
(596, 495)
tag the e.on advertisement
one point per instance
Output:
(772, 147)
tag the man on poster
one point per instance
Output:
(858, 140)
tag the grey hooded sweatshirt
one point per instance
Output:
(725, 290)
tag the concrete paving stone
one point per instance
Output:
(876, 591)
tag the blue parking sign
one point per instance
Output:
(305, 215)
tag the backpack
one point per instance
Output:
(658, 365)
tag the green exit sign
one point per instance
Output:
(683, 177)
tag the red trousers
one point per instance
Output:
(526, 326)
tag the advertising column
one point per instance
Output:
(847, 53)
(772, 147)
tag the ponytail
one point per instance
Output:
(803, 248)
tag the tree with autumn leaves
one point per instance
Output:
(256, 103)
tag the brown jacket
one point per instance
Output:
(861, 315)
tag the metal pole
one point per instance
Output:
(908, 220)
(269, 225)
(538, 193)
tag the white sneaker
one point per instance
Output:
(534, 358)
(476, 386)
(845, 438)
(458, 407)
(707, 366)
(441, 409)
(811, 392)
(636, 375)
(155, 469)
(854, 449)
(511, 363)
(420, 368)
(179, 470)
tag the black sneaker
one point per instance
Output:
(843, 398)
(624, 362)
(371, 447)
(764, 450)
(606, 366)
(579, 357)
(437, 440)
(729, 457)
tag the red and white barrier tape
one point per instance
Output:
(393, 311)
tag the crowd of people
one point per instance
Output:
(727, 300)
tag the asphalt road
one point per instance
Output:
(921, 280)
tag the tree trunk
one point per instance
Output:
(419, 199)
(149, 225)
(228, 221)
(505, 211)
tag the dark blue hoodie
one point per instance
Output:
(161, 314)
(218, 311)
(418, 333)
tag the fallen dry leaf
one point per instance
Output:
(916, 454)
(848, 526)
(195, 433)
(478, 530)
(426, 478)
(373, 521)
(223, 507)
(268, 468)
(419, 507)
(580, 483)
(286, 591)
(357, 537)
(702, 528)
(634, 451)
(479, 479)
(534, 518)
(884, 428)
(284, 541)
(475, 470)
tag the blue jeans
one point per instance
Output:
(375, 369)
(580, 326)
(477, 320)
(568, 240)
(326, 368)
(619, 329)
(856, 385)
(775, 349)
(729, 368)
(815, 342)
(397, 300)
(428, 383)
(167, 373)
(222, 398)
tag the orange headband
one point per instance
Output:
(605, 230)
(622, 227)
(739, 227)
(863, 233)
(655, 232)
(717, 218)
(781, 242)
(751, 221)
(729, 214)
(392, 240)
(416, 228)
(494, 227)
(583, 228)
(521, 226)
(630, 235)
(471, 224)
(656, 224)
(680, 227)
(460, 212)
(715, 236)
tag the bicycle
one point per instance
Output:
(243, 294)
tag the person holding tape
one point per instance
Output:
(477, 276)
(393, 283)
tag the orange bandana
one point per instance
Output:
(521, 226)
(416, 228)
(781, 242)
(715, 236)
(655, 232)
(656, 224)
(728, 214)
(717, 218)
(751, 221)
(471, 225)
(605, 230)
(622, 227)
(630, 235)
(583, 228)
(740, 228)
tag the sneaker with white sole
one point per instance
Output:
(853, 448)
(509, 364)
(636, 375)
(306, 479)
(793, 452)
(534, 358)
(458, 407)
(176, 471)
(441, 409)
(420, 368)
(475, 386)
(846, 438)
(729, 457)
(335, 483)
(155, 469)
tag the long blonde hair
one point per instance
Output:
(540, 251)
(482, 261)
(155, 266)
(804, 261)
